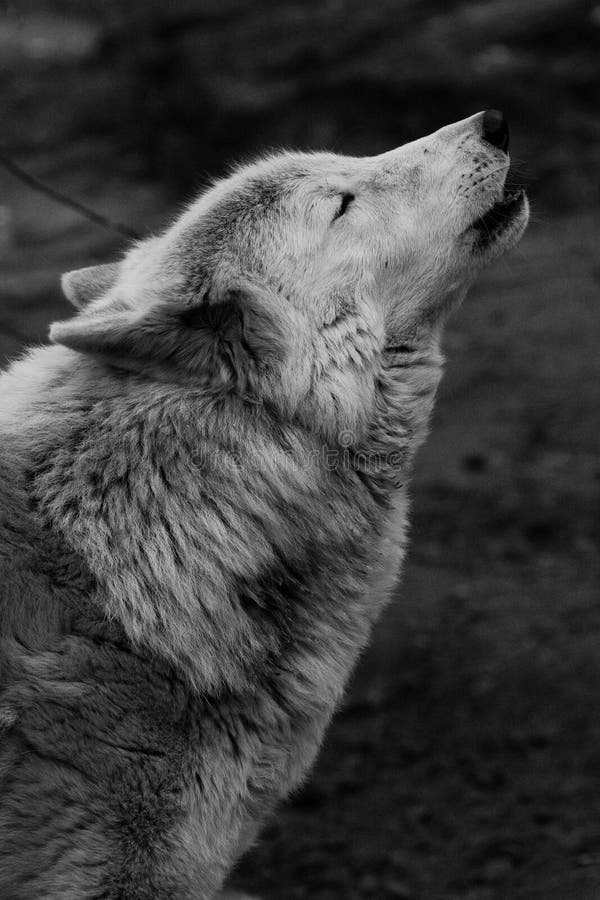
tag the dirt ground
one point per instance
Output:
(465, 762)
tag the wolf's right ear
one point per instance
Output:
(82, 286)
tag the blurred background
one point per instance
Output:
(465, 762)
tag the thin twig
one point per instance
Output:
(58, 197)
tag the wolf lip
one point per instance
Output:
(498, 217)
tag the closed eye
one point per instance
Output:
(346, 200)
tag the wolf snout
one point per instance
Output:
(494, 129)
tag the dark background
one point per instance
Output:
(466, 760)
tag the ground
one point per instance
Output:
(465, 762)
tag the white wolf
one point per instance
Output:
(203, 504)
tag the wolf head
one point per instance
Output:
(293, 280)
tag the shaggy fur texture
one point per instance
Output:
(203, 507)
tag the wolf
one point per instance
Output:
(203, 503)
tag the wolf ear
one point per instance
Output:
(239, 331)
(83, 286)
(244, 324)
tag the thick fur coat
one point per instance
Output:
(203, 503)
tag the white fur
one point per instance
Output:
(203, 506)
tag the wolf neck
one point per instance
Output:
(362, 512)
(217, 537)
(405, 389)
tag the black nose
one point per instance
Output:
(495, 129)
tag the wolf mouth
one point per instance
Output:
(488, 227)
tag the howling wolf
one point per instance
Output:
(203, 504)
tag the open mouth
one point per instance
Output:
(498, 218)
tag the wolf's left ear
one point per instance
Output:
(242, 325)
(228, 334)
(83, 286)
